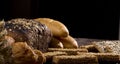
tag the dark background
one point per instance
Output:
(96, 19)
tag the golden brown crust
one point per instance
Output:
(24, 54)
(58, 28)
(68, 42)
(60, 32)
(55, 43)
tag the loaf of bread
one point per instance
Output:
(36, 35)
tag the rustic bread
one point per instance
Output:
(57, 28)
(108, 46)
(36, 35)
(68, 42)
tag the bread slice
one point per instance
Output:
(90, 48)
(49, 56)
(108, 46)
(105, 57)
(68, 51)
(75, 59)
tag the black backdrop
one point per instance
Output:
(85, 19)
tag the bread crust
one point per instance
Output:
(58, 28)
(108, 46)
(34, 33)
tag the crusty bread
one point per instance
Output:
(55, 43)
(68, 42)
(108, 46)
(36, 35)
(60, 31)
(58, 28)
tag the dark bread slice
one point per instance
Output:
(69, 51)
(90, 48)
(105, 57)
(75, 59)
(49, 56)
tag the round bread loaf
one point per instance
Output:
(36, 35)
